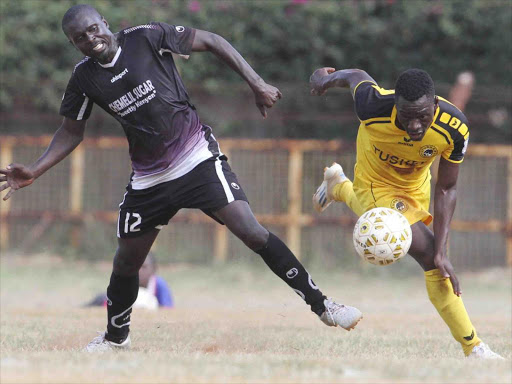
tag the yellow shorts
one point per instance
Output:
(413, 205)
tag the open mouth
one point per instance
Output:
(99, 47)
(415, 135)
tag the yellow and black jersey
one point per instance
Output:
(386, 155)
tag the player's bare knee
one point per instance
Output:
(254, 238)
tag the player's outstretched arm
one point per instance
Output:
(445, 197)
(265, 94)
(324, 78)
(67, 138)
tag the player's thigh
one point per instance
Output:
(422, 246)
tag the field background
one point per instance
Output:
(238, 323)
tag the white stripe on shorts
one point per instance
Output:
(119, 216)
(222, 178)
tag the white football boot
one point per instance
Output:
(342, 315)
(333, 175)
(99, 344)
(482, 351)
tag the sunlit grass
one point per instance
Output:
(238, 324)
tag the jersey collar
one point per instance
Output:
(114, 60)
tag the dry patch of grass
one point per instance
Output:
(240, 324)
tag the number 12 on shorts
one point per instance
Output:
(132, 228)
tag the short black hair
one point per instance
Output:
(74, 11)
(413, 84)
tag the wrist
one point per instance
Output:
(34, 172)
(257, 84)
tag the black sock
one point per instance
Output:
(121, 294)
(284, 264)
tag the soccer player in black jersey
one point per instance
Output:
(176, 160)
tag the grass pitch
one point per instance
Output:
(240, 324)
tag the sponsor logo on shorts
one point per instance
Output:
(235, 186)
(179, 28)
(428, 151)
(292, 273)
(400, 205)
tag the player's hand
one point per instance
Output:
(316, 81)
(265, 97)
(15, 176)
(445, 267)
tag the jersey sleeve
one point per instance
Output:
(457, 149)
(75, 104)
(453, 125)
(176, 38)
(371, 101)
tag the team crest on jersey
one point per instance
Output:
(428, 151)
(400, 205)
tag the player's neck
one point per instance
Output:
(113, 50)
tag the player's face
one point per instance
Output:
(416, 116)
(91, 35)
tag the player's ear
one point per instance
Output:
(436, 102)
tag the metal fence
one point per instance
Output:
(76, 202)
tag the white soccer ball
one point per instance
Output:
(382, 236)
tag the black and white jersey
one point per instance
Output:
(142, 89)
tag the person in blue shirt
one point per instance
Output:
(149, 280)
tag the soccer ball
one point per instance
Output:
(382, 236)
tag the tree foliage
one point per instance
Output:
(283, 40)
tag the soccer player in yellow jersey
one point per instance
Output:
(402, 131)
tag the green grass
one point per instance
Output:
(239, 323)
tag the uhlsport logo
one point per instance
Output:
(120, 76)
(428, 151)
(179, 28)
(235, 186)
(292, 273)
(400, 205)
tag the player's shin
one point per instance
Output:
(121, 294)
(452, 310)
(284, 264)
(345, 192)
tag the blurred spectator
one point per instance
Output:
(462, 90)
(153, 290)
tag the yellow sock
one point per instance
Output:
(452, 310)
(345, 192)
